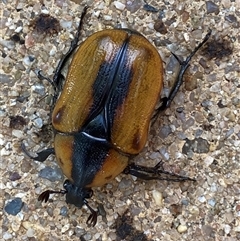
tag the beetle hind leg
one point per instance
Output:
(41, 156)
(154, 173)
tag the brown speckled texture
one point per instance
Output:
(205, 115)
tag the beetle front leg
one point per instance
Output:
(154, 173)
(166, 101)
(74, 45)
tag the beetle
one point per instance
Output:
(103, 111)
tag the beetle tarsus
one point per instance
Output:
(154, 173)
(41, 156)
(92, 219)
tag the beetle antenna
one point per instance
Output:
(92, 219)
(44, 197)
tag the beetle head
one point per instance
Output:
(76, 195)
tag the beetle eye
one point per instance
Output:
(66, 184)
(89, 193)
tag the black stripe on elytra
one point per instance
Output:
(109, 91)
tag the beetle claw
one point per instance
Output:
(92, 219)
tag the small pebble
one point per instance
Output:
(65, 228)
(165, 131)
(38, 122)
(64, 211)
(14, 207)
(51, 174)
(208, 160)
(212, 202)
(28, 60)
(107, 17)
(227, 228)
(158, 197)
(182, 228)
(66, 24)
(7, 236)
(150, 8)
(30, 233)
(197, 145)
(119, 5)
(39, 89)
(14, 176)
(202, 199)
(160, 27)
(7, 43)
(194, 210)
(133, 5)
(212, 7)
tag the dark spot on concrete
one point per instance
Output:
(217, 49)
(220, 104)
(160, 27)
(175, 209)
(17, 122)
(126, 231)
(16, 38)
(207, 127)
(46, 24)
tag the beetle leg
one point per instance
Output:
(92, 219)
(74, 45)
(41, 156)
(39, 74)
(154, 173)
(166, 101)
